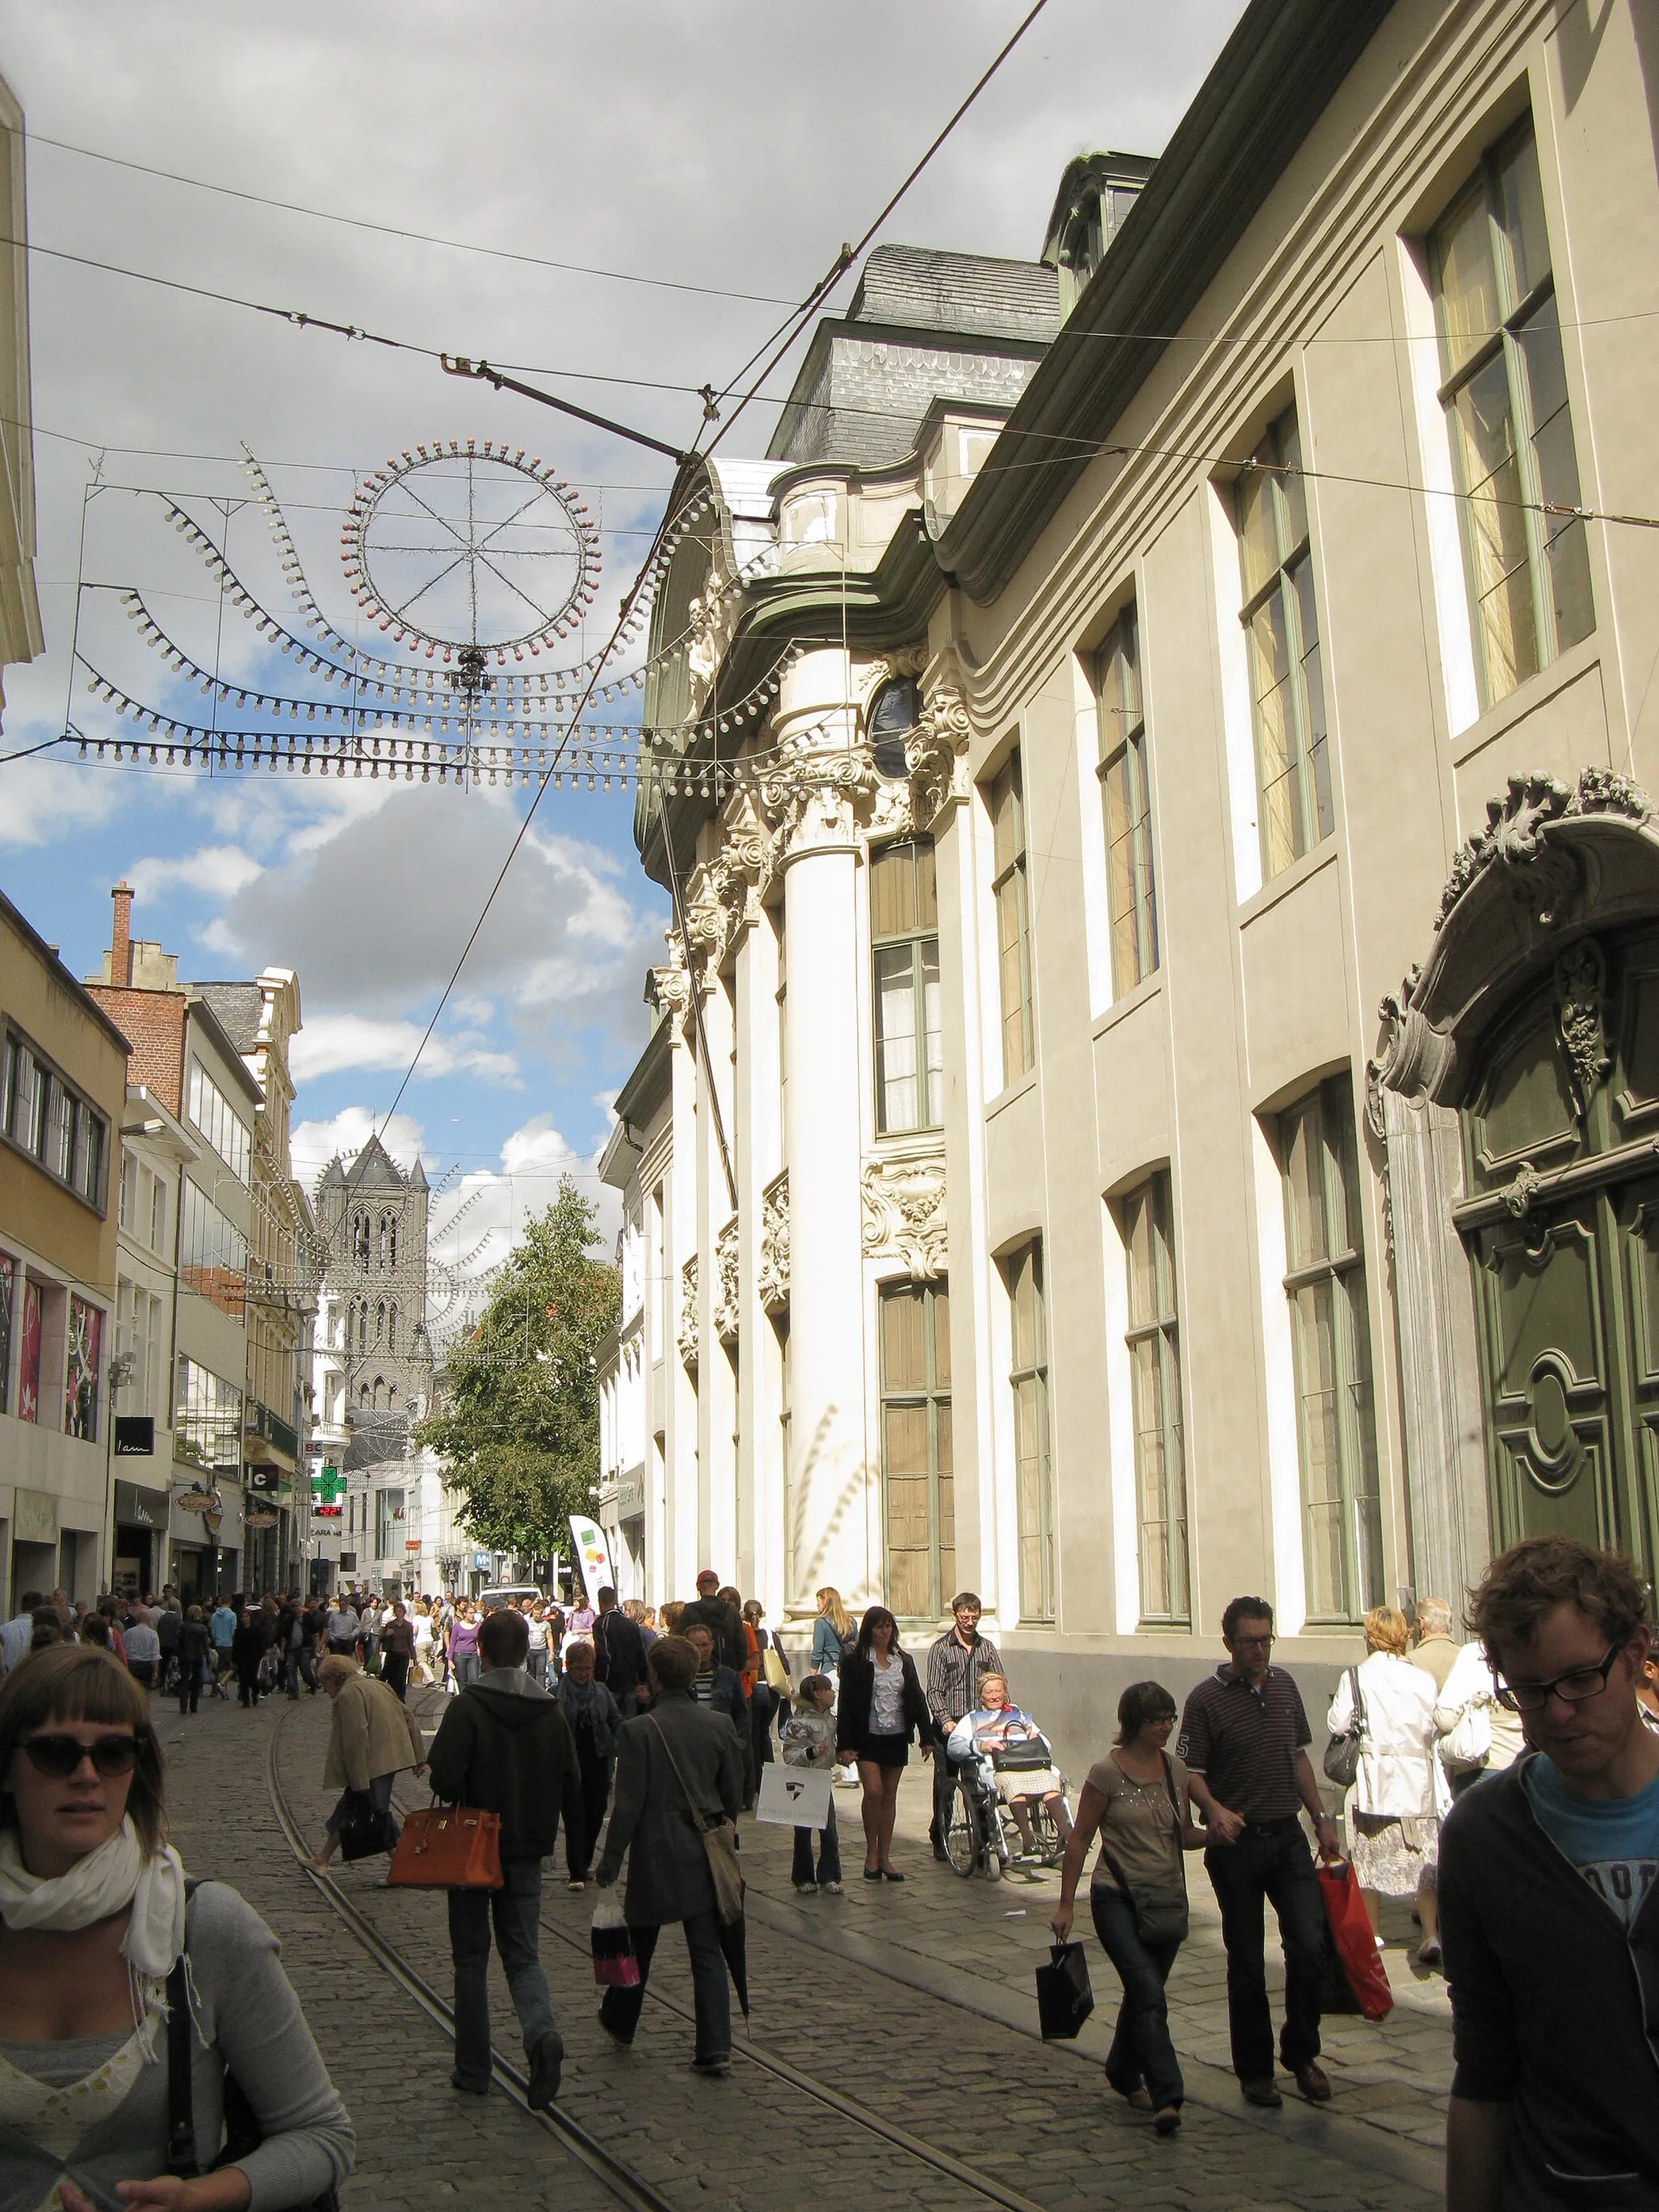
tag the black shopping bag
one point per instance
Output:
(366, 1830)
(1064, 2000)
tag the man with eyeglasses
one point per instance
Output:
(1244, 1736)
(1548, 1876)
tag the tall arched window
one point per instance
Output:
(394, 1242)
(362, 1394)
(383, 1239)
(392, 1328)
(362, 1326)
(379, 1322)
(380, 1391)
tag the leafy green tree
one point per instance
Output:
(518, 1428)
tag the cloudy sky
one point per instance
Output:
(729, 145)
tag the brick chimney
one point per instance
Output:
(120, 943)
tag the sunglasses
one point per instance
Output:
(59, 1756)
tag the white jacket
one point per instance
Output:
(1468, 1683)
(1397, 1769)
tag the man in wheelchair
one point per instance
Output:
(1004, 1753)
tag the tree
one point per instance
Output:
(518, 1428)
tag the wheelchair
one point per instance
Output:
(982, 1834)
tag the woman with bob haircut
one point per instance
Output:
(95, 1913)
(1400, 1791)
(1136, 1799)
(882, 1706)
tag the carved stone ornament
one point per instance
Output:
(936, 752)
(669, 987)
(1546, 881)
(1548, 876)
(726, 1305)
(688, 1328)
(1522, 1189)
(773, 1270)
(904, 1215)
(1581, 983)
(811, 796)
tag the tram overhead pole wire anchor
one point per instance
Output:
(480, 372)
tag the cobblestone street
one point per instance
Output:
(915, 2002)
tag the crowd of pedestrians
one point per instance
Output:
(1505, 1789)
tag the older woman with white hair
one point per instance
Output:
(373, 1738)
(117, 1971)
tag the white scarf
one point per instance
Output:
(118, 1872)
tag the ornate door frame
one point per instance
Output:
(1559, 873)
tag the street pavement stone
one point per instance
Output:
(915, 2002)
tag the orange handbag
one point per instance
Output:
(448, 1847)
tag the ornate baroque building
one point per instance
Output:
(1022, 1189)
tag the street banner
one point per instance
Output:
(793, 1797)
(592, 1556)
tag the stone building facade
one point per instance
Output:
(1084, 789)
(373, 1368)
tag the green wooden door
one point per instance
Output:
(1562, 1224)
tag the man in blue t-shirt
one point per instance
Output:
(222, 1628)
(1547, 1878)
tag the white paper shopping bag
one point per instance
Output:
(794, 1797)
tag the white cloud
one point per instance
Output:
(478, 1220)
(47, 798)
(312, 1144)
(217, 871)
(328, 1043)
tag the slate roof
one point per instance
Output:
(974, 295)
(237, 1008)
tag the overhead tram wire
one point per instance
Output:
(400, 230)
(808, 305)
(848, 255)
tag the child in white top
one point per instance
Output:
(808, 1740)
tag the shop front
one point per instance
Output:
(141, 1536)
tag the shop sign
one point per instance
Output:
(140, 1509)
(134, 1436)
(34, 1516)
(260, 1516)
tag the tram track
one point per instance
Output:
(624, 2185)
(617, 2175)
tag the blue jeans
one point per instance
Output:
(516, 1910)
(829, 1853)
(1142, 2056)
(620, 2009)
(465, 1664)
(1275, 1866)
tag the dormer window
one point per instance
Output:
(893, 712)
(1082, 243)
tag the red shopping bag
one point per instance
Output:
(1352, 1941)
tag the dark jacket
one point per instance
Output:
(858, 1684)
(503, 1746)
(195, 1646)
(168, 1625)
(724, 1624)
(726, 1696)
(619, 1656)
(668, 1876)
(249, 1643)
(1555, 2006)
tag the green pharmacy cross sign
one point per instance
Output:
(327, 1489)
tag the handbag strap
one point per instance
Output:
(1357, 1725)
(699, 1819)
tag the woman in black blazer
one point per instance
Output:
(881, 1704)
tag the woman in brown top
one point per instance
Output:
(1136, 1798)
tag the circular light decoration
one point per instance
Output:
(470, 550)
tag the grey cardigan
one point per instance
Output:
(247, 2008)
(668, 1876)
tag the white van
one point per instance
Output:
(527, 1594)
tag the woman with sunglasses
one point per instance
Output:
(94, 1915)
